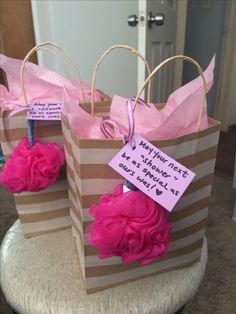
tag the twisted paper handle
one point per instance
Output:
(132, 50)
(30, 124)
(185, 58)
(40, 47)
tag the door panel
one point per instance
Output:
(161, 44)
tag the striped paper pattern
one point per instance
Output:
(44, 211)
(89, 176)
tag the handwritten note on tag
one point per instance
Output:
(152, 171)
(44, 111)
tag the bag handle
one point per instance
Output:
(200, 71)
(42, 47)
(132, 50)
(59, 59)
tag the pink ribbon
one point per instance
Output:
(115, 125)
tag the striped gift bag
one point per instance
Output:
(89, 176)
(47, 210)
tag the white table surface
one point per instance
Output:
(41, 275)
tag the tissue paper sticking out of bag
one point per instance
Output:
(178, 117)
(83, 124)
(40, 83)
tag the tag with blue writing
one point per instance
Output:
(153, 172)
(44, 111)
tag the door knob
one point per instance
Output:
(132, 20)
(157, 19)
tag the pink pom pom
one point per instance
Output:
(130, 225)
(32, 168)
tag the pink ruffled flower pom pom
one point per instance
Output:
(32, 168)
(130, 225)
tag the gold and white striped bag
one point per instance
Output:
(89, 176)
(47, 210)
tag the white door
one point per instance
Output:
(88, 28)
(161, 38)
(164, 34)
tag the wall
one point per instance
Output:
(86, 29)
(204, 29)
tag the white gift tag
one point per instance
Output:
(44, 111)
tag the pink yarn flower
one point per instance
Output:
(130, 225)
(32, 168)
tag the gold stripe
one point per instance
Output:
(77, 166)
(72, 191)
(81, 238)
(92, 290)
(77, 230)
(68, 147)
(41, 131)
(70, 172)
(88, 200)
(189, 210)
(189, 230)
(91, 251)
(104, 171)
(41, 198)
(103, 106)
(198, 184)
(180, 214)
(214, 126)
(199, 157)
(76, 213)
(97, 271)
(74, 138)
(53, 214)
(38, 233)
(75, 192)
